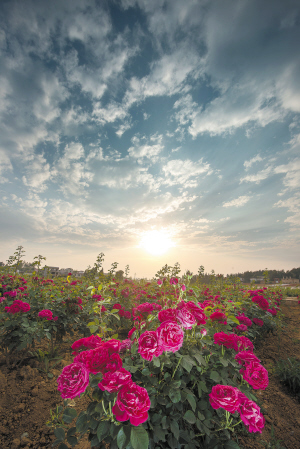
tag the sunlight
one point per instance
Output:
(156, 242)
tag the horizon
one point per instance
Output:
(154, 132)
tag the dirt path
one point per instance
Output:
(280, 407)
(26, 396)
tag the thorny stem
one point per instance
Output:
(176, 367)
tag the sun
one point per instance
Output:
(156, 242)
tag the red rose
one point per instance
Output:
(149, 345)
(250, 414)
(167, 315)
(170, 336)
(256, 375)
(132, 403)
(113, 382)
(228, 340)
(224, 396)
(245, 357)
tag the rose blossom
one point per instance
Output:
(112, 345)
(250, 414)
(228, 340)
(185, 317)
(258, 322)
(100, 360)
(131, 332)
(88, 342)
(219, 316)
(125, 344)
(46, 314)
(113, 382)
(224, 396)
(256, 375)
(197, 312)
(242, 343)
(241, 327)
(167, 315)
(244, 320)
(170, 336)
(245, 357)
(73, 380)
(132, 403)
(149, 346)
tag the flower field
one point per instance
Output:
(160, 364)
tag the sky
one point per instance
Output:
(155, 132)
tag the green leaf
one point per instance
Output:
(189, 417)
(215, 376)
(233, 318)
(63, 446)
(187, 362)
(59, 433)
(175, 429)
(156, 362)
(93, 329)
(175, 396)
(139, 438)
(122, 439)
(71, 432)
(72, 440)
(231, 445)
(102, 430)
(192, 401)
(81, 423)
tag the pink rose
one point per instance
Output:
(149, 346)
(245, 357)
(241, 328)
(88, 342)
(224, 396)
(243, 343)
(46, 314)
(185, 317)
(197, 312)
(125, 344)
(244, 320)
(73, 380)
(132, 403)
(228, 340)
(112, 345)
(256, 375)
(258, 322)
(170, 336)
(250, 414)
(100, 360)
(113, 382)
(131, 332)
(219, 316)
(167, 315)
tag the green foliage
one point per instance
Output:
(288, 372)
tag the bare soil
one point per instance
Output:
(27, 395)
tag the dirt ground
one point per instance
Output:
(27, 395)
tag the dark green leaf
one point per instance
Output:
(139, 438)
(156, 362)
(122, 439)
(94, 441)
(59, 433)
(231, 445)
(190, 417)
(63, 446)
(192, 401)
(71, 431)
(214, 375)
(81, 423)
(102, 430)
(175, 429)
(72, 440)
(175, 395)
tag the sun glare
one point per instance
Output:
(156, 242)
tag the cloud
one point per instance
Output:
(238, 202)
(185, 172)
(149, 149)
(258, 177)
(248, 164)
(293, 206)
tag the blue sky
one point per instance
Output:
(123, 117)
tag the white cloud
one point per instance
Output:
(258, 177)
(149, 149)
(293, 206)
(185, 172)
(248, 164)
(237, 202)
(292, 173)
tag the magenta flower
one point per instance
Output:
(170, 336)
(250, 414)
(256, 375)
(149, 346)
(185, 317)
(113, 382)
(224, 396)
(133, 403)
(73, 380)
(46, 314)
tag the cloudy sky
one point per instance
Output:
(124, 117)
